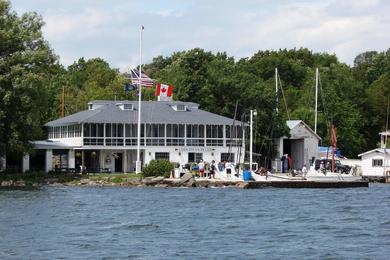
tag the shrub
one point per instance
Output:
(158, 168)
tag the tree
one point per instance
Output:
(26, 62)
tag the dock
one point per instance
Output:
(306, 184)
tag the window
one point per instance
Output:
(214, 134)
(128, 106)
(229, 157)
(175, 135)
(180, 107)
(195, 157)
(161, 156)
(377, 162)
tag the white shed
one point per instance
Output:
(302, 145)
(375, 162)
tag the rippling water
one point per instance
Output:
(224, 223)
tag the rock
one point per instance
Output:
(92, 183)
(84, 181)
(133, 181)
(162, 185)
(243, 185)
(153, 181)
(19, 183)
(6, 183)
(190, 183)
(186, 177)
(51, 180)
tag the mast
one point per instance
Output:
(334, 140)
(138, 162)
(316, 102)
(251, 140)
(276, 90)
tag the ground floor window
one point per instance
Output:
(161, 156)
(229, 157)
(195, 157)
(377, 162)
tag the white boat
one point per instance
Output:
(326, 175)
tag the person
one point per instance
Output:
(212, 170)
(289, 159)
(201, 168)
(228, 167)
(304, 171)
(322, 167)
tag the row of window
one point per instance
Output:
(196, 132)
(194, 157)
(64, 131)
(159, 142)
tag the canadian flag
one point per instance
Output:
(163, 90)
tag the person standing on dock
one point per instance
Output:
(212, 170)
(201, 168)
(304, 171)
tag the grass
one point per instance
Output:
(42, 177)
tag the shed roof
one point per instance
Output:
(377, 150)
(294, 123)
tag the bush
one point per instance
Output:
(158, 168)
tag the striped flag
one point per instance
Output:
(145, 80)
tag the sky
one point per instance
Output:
(110, 29)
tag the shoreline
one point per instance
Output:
(124, 180)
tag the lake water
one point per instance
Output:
(200, 223)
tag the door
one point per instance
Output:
(119, 162)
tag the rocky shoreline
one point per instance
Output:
(159, 182)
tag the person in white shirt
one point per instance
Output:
(229, 167)
(201, 168)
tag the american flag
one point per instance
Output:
(145, 80)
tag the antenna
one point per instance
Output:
(63, 102)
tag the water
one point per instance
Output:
(224, 223)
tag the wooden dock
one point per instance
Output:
(306, 184)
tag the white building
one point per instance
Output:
(104, 137)
(376, 162)
(301, 146)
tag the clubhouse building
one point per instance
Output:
(104, 137)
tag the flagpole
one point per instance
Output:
(138, 162)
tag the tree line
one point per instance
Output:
(354, 98)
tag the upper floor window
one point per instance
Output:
(180, 107)
(377, 162)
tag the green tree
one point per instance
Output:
(25, 65)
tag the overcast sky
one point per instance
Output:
(110, 28)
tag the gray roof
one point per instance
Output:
(376, 150)
(151, 112)
(294, 123)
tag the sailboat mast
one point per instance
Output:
(316, 102)
(276, 90)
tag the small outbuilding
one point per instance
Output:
(300, 148)
(376, 162)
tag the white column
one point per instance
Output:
(71, 159)
(26, 163)
(49, 160)
(124, 161)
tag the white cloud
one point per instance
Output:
(110, 29)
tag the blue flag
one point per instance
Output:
(129, 87)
